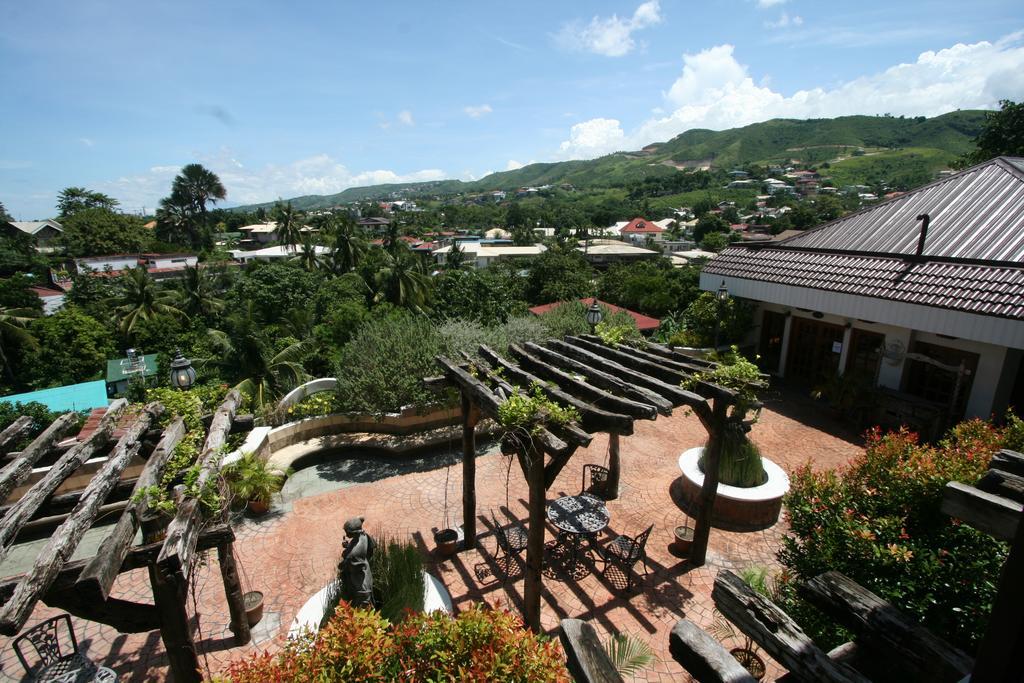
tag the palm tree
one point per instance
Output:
(289, 224)
(308, 257)
(174, 221)
(263, 376)
(199, 293)
(191, 191)
(346, 249)
(456, 259)
(142, 299)
(402, 281)
(13, 335)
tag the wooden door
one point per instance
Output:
(814, 350)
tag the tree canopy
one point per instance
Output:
(71, 200)
(1002, 135)
(99, 231)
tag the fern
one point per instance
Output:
(628, 654)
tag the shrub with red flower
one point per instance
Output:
(360, 645)
(879, 522)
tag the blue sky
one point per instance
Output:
(284, 99)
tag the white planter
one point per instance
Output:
(756, 507)
(435, 599)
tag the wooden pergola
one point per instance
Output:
(610, 387)
(83, 587)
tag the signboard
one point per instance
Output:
(837, 347)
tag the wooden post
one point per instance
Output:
(706, 503)
(614, 468)
(233, 591)
(470, 416)
(170, 591)
(998, 655)
(535, 543)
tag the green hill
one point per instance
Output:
(893, 148)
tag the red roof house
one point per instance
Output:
(644, 323)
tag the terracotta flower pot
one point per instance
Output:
(683, 540)
(253, 607)
(447, 541)
(258, 507)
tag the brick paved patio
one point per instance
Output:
(292, 552)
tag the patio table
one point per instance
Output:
(576, 518)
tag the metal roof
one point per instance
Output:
(71, 397)
(973, 260)
(975, 214)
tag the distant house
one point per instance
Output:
(53, 299)
(483, 255)
(119, 370)
(606, 252)
(77, 397)
(377, 225)
(159, 266)
(44, 233)
(259, 233)
(934, 314)
(639, 230)
(644, 323)
(273, 253)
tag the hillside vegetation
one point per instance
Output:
(895, 147)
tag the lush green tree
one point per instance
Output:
(308, 257)
(99, 231)
(289, 224)
(71, 200)
(273, 287)
(73, 347)
(456, 258)
(347, 247)
(183, 216)
(93, 294)
(732, 319)
(559, 274)
(15, 293)
(709, 223)
(18, 254)
(200, 292)
(4, 216)
(14, 338)
(490, 296)
(1002, 134)
(142, 298)
(653, 288)
(337, 291)
(714, 241)
(402, 281)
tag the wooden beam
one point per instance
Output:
(534, 580)
(60, 505)
(554, 466)
(98, 576)
(239, 623)
(999, 653)
(137, 558)
(917, 652)
(470, 417)
(604, 380)
(1008, 461)
(22, 511)
(776, 632)
(599, 398)
(709, 489)
(703, 657)
(672, 392)
(124, 615)
(488, 403)
(19, 469)
(592, 418)
(586, 658)
(986, 512)
(170, 591)
(671, 354)
(1005, 484)
(62, 544)
(179, 546)
(14, 432)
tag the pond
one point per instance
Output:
(339, 468)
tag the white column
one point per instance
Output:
(785, 345)
(844, 354)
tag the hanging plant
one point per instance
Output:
(532, 411)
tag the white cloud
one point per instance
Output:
(716, 91)
(88, 142)
(785, 21)
(405, 118)
(610, 36)
(475, 112)
(319, 174)
(769, 3)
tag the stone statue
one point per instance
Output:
(356, 578)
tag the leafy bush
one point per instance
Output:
(733, 318)
(879, 522)
(320, 403)
(380, 370)
(534, 410)
(360, 645)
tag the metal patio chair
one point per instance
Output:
(597, 475)
(624, 552)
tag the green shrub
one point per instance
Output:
(381, 369)
(733, 319)
(740, 464)
(360, 645)
(879, 521)
(40, 414)
(398, 580)
(315, 405)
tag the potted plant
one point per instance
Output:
(683, 538)
(747, 653)
(253, 601)
(251, 479)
